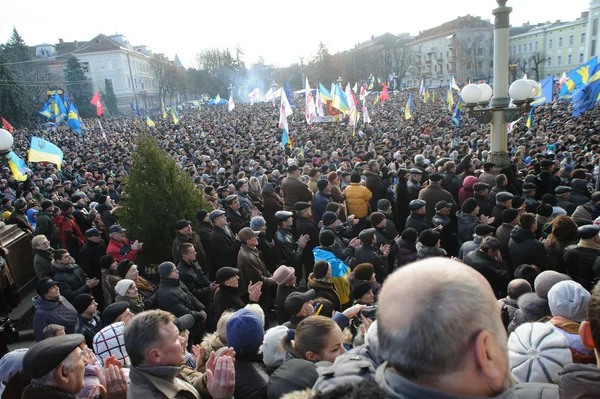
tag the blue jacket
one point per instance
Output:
(319, 204)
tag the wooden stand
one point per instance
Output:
(20, 258)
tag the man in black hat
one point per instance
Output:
(580, 258)
(88, 322)
(414, 184)
(224, 241)
(416, 220)
(368, 252)
(298, 306)
(290, 251)
(89, 259)
(45, 224)
(51, 308)
(82, 216)
(434, 193)
(228, 295)
(294, 190)
(185, 233)
(563, 193)
(447, 230)
(480, 194)
(531, 203)
(306, 225)
(546, 181)
(503, 201)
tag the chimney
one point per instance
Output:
(76, 44)
(61, 41)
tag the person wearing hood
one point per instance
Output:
(524, 247)
(71, 236)
(407, 247)
(32, 215)
(51, 308)
(332, 273)
(185, 233)
(72, 280)
(19, 216)
(580, 258)
(44, 255)
(580, 381)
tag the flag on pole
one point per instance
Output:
(174, 114)
(150, 122)
(325, 95)
(284, 111)
(339, 100)
(231, 105)
(319, 103)
(366, 116)
(545, 91)
(578, 78)
(253, 94)
(310, 110)
(454, 85)
(18, 167)
(73, 118)
(58, 107)
(164, 110)
(269, 95)
(46, 111)
(98, 103)
(363, 93)
(422, 87)
(355, 88)
(42, 150)
(102, 130)
(563, 79)
(530, 118)
(457, 111)
(449, 99)
(7, 125)
(384, 93)
(408, 108)
(217, 99)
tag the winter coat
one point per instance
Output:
(290, 253)
(237, 220)
(357, 198)
(88, 327)
(407, 252)
(339, 272)
(525, 248)
(503, 235)
(580, 193)
(485, 205)
(252, 268)
(201, 257)
(370, 254)
(586, 214)
(432, 194)
(495, 272)
(89, 258)
(294, 191)
(42, 263)
(70, 234)
(283, 291)
(424, 252)
(413, 188)
(579, 381)
(83, 218)
(46, 226)
(174, 297)
(59, 312)
(494, 191)
(319, 204)
(466, 226)
(464, 194)
(271, 204)
(251, 377)
(204, 232)
(336, 193)
(46, 392)
(452, 184)
(308, 226)
(228, 298)
(135, 304)
(469, 247)
(145, 384)
(109, 281)
(511, 306)
(567, 205)
(375, 186)
(195, 280)
(72, 280)
(226, 249)
(488, 178)
(122, 250)
(417, 222)
(580, 260)
(324, 288)
(402, 201)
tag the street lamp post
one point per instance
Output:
(522, 92)
(6, 143)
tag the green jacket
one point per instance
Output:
(45, 225)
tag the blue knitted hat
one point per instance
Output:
(245, 332)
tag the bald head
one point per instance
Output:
(518, 287)
(444, 304)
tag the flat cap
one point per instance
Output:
(229, 199)
(115, 228)
(215, 214)
(295, 301)
(415, 171)
(416, 204)
(93, 232)
(46, 355)
(247, 233)
(435, 177)
(225, 273)
(545, 163)
(528, 186)
(292, 168)
(504, 196)
(588, 231)
(184, 322)
(442, 204)
(300, 206)
(283, 215)
(562, 190)
(480, 186)
(181, 224)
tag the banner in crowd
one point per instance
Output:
(322, 119)
(44, 151)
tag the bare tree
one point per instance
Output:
(472, 51)
(535, 61)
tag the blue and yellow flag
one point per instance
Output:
(164, 111)
(150, 122)
(530, 119)
(174, 114)
(44, 151)
(449, 99)
(458, 111)
(325, 95)
(58, 108)
(426, 96)
(46, 111)
(217, 99)
(544, 94)
(339, 100)
(66, 101)
(73, 119)
(577, 78)
(408, 109)
(18, 167)
(587, 97)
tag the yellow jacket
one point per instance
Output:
(358, 198)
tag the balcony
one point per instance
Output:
(428, 61)
(439, 60)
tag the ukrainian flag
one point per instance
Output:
(577, 78)
(339, 100)
(458, 111)
(162, 103)
(44, 151)
(149, 122)
(18, 167)
(217, 99)
(530, 119)
(174, 115)
(325, 94)
(408, 109)
(449, 99)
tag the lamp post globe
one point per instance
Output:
(471, 94)
(520, 90)
(6, 141)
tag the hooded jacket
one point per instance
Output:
(466, 224)
(525, 248)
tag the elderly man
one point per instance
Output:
(451, 332)
(157, 352)
(294, 190)
(120, 247)
(185, 233)
(44, 254)
(72, 280)
(290, 252)
(580, 258)
(434, 193)
(223, 241)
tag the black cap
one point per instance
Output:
(366, 236)
(283, 215)
(549, 199)
(504, 196)
(562, 190)
(443, 204)
(480, 186)
(435, 177)
(429, 237)
(509, 214)
(181, 224)
(44, 285)
(416, 204)
(113, 311)
(292, 168)
(300, 206)
(415, 171)
(115, 228)
(484, 229)
(47, 204)
(295, 301)
(588, 231)
(225, 273)
(123, 267)
(545, 163)
(544, 210)
(46, 355)
(229, 199)
(184, 322)
(93, 232)
(528, 186)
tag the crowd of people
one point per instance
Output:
(392, 261)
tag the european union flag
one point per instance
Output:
(585, 98)
(544, 94)
(578, 78)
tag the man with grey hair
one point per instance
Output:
(119, 247)
(44, 254)
(156, 352)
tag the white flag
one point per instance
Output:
(366, 117)
(319, 104)
(355, 88)
(285, 110)
(253, 95)
(524, 76)
(310, 104)
(422, 88)
(278, 92)
(363, 93)
(269, 95)
(231, 105)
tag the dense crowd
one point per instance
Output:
(393, 260)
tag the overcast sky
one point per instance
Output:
(280, 31)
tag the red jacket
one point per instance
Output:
(121, 250)
(71, 236)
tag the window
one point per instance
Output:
(559, 42)
(549, 61)
(595, 27)
(519, 48)
(581, 58)
(569, 59)
(571, 40)
(469, 65)
(582, 40)
(480, 51)
(593, 48)
(106, 80)
(536, 46)
(558, 60)
(85, 66)
(480, 65)
(549, 43)
(530, 47)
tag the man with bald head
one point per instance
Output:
(447, 340)
(510, 304)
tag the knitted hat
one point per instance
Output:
(82, 302)
(429, 237)
(531, 308)
(322, 184)
(510, 214)
(245, 332)
(123, 285)
(112, 311)
(332, 176)
(537, 353)
(484, 230)
(549, 199)
(327, 238)
(366, 236)
(165, 269)
(364, 271)
(200, 215)
(546, 280)
(410, 235)
(272, 356)
(376, 218)
(283, 274)
(359, 289)
(328, 218)
(320, 269)
(569, 300)
(124, 267)
(469, 205)
(106, 261)
(469, 182)
(544, 210)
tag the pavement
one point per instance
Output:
(26, 337)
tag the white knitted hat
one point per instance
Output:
(272, 356)
(123, 285)
(537, 353)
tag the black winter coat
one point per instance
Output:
(310, 227)
(417, 222)
(369, 254)
(452, 184)
(485, 205)
(580, 264)
(402, 200)
(228, 298)
(496, 273)
(377, 187)
(89, 258)
(525, 248)
(226, 249)
(283, 291)
(195, 280)
(251, 377)
(174, 297)
(72, 280)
